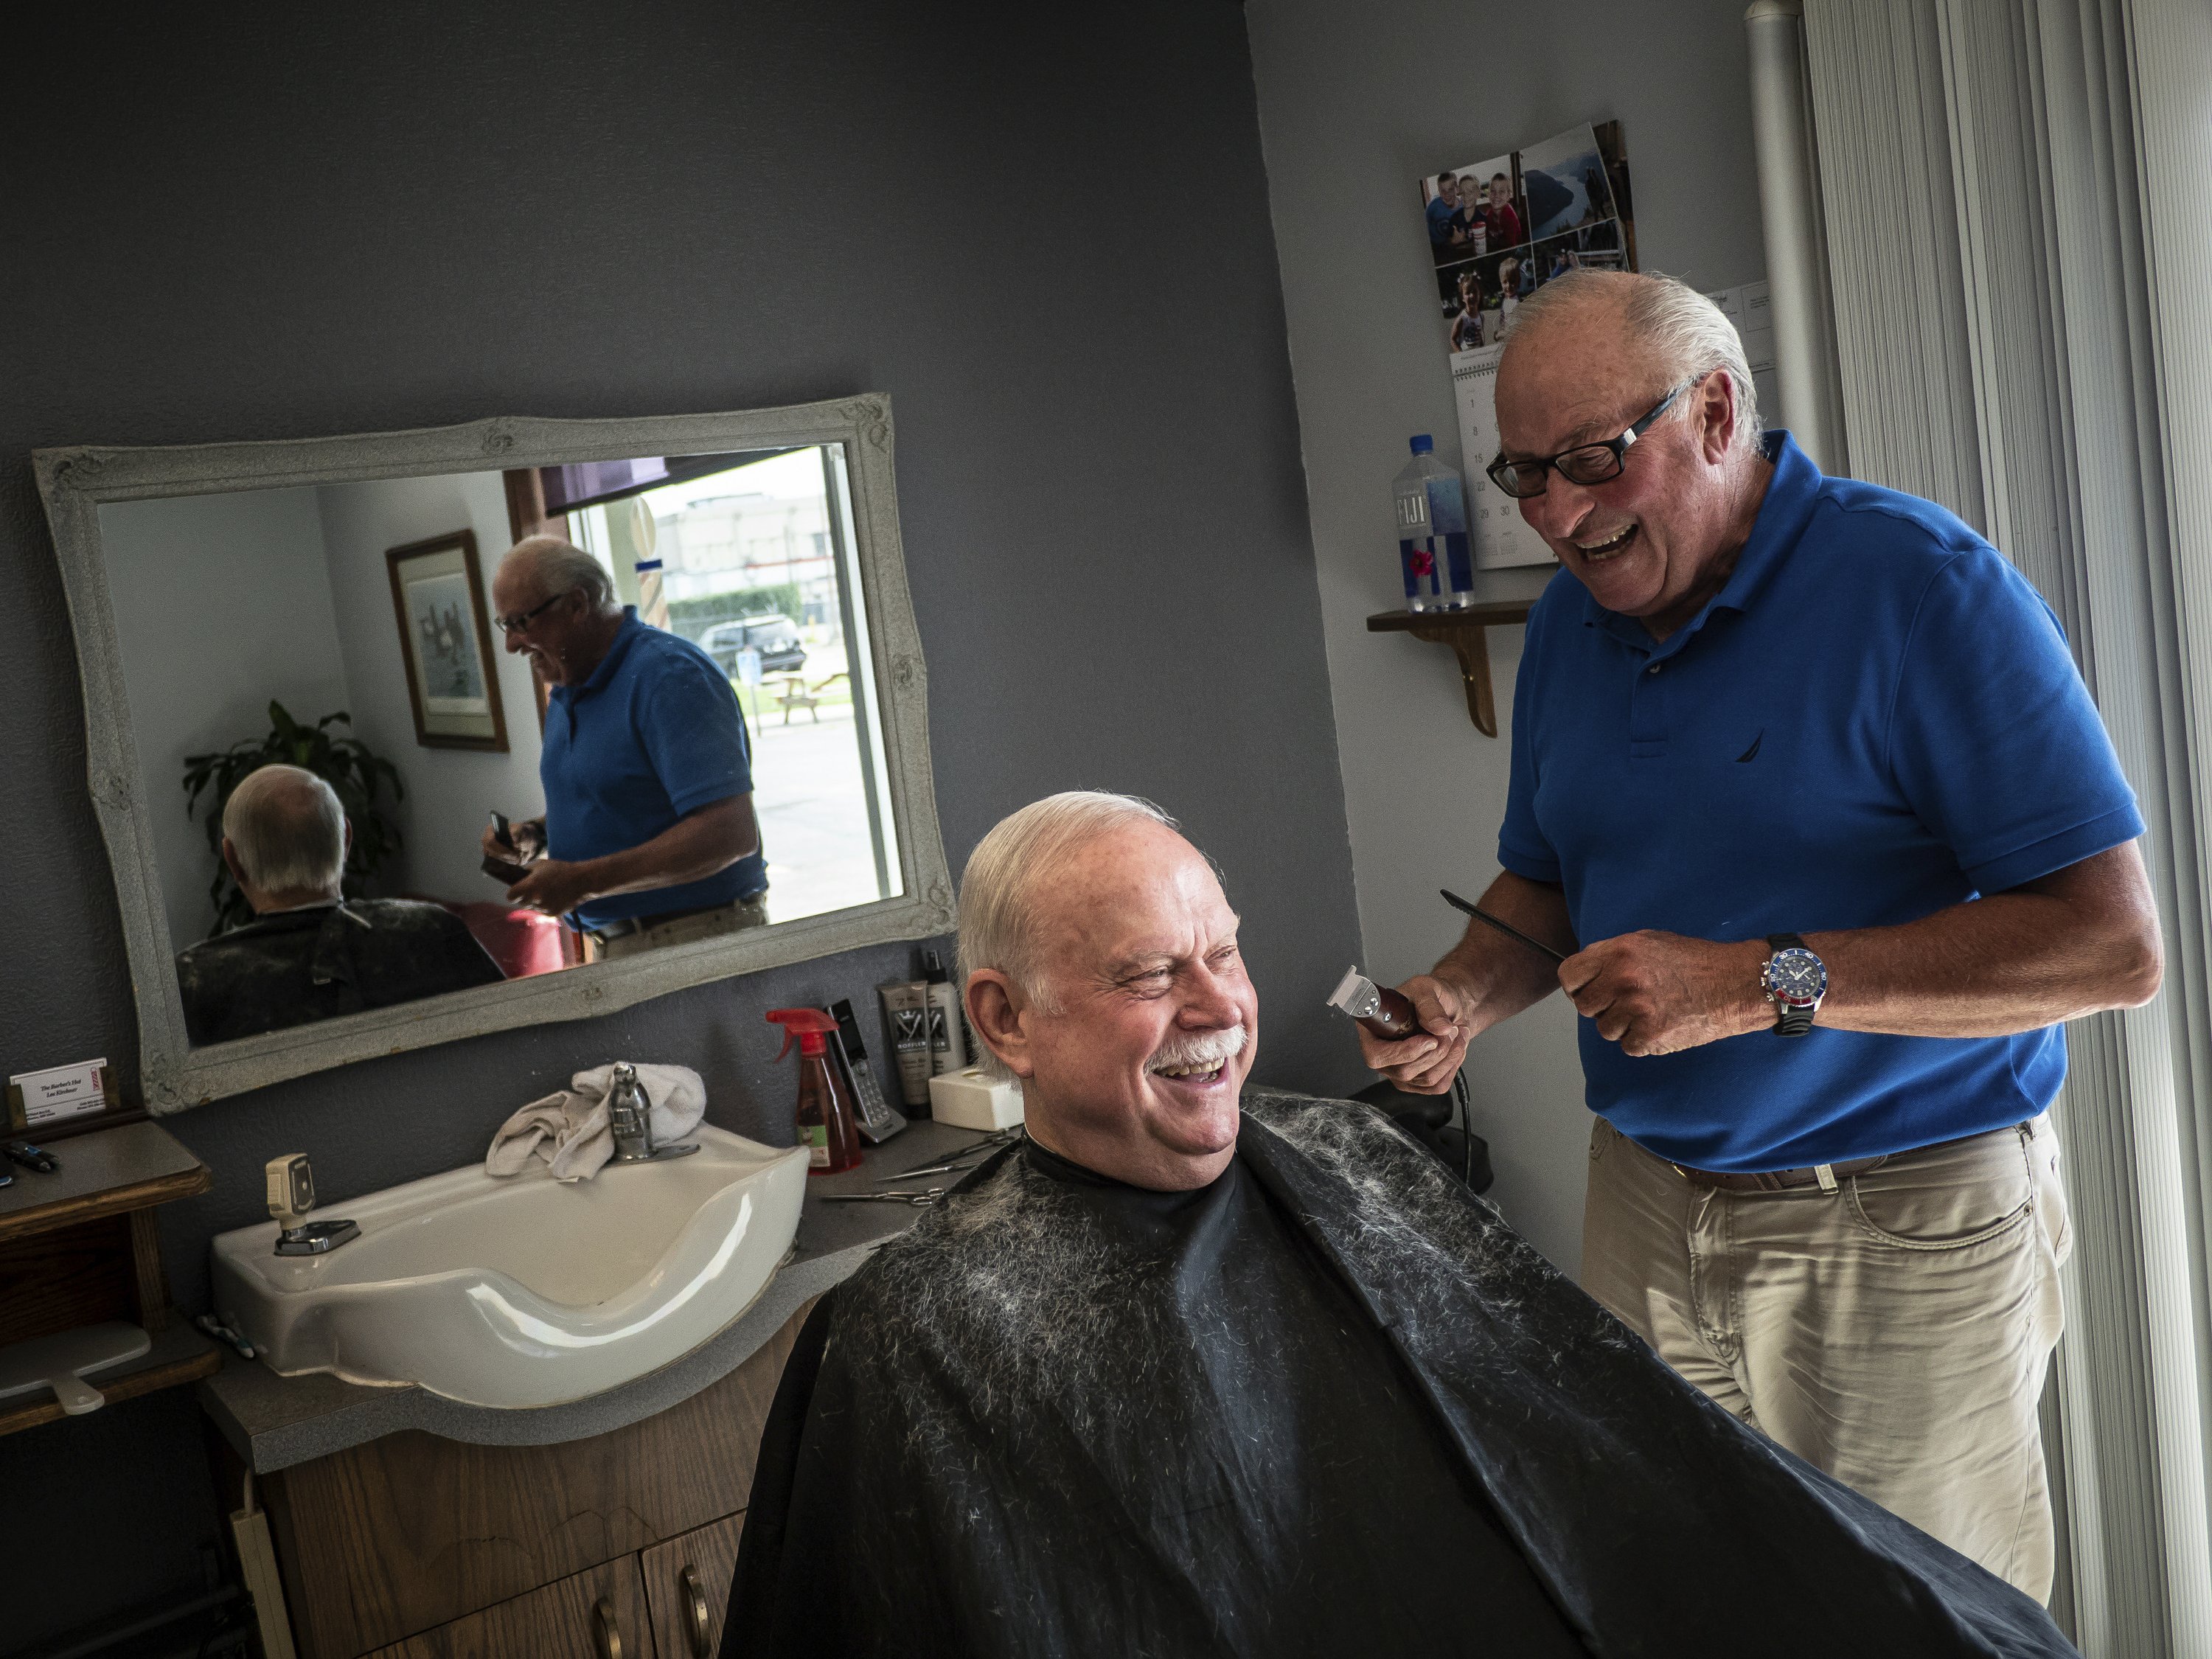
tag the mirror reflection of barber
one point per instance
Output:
(648, 837)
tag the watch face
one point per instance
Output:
(1796, 975)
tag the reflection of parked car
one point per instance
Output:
(775, 637)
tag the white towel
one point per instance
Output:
(569, 1127)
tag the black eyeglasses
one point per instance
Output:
(516, 623)
(1585, 464)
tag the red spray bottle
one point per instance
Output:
(825, 1115)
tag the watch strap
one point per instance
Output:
(1791, 1019)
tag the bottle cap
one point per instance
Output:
(933, 969)
(1422, 443)
(809, 1025)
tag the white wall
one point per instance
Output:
(450, 792)
(222, 603)
(1356, 103)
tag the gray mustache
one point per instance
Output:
(1202, 1051)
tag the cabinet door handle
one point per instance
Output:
(605, 1631)
(702, 1616)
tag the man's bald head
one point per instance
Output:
(539, 566)
(556, 605)
(1649, 329)
(1001, 916)
(286, 833)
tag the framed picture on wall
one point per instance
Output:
(445, 643)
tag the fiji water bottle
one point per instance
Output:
(1432, 542)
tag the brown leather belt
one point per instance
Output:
(1824, 1175)
(623, 927)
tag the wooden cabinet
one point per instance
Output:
(596, 1614)
(412, 1538)
(687, 1587)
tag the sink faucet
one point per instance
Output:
(629, 1115)
(291, 1195)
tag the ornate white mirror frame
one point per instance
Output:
(77, 482)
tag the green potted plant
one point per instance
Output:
(344, 763)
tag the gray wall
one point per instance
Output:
(222, 606)
(1047, 240)
(1356, 103)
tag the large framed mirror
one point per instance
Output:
(749, 691)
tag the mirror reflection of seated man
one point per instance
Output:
(310, 953)
(648, 831)
(1200, 1368)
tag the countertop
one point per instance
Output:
(274, 1422)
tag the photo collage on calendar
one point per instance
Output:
(1500, 230)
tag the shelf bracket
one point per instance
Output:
(1471, 646)
(1502, 600)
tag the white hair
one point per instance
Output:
(998, 912)
(288, 830)
(560, 566)
(1689, 334)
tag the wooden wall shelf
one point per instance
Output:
(79, 1246)
(1502, 599)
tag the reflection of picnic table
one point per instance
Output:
(792, 692)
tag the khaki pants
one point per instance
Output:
(683, 930)
(1895, 1332)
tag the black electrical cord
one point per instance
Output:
(1466, 1129)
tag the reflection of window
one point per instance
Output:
(753, 558)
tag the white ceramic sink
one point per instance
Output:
(522, 1292)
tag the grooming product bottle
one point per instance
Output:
(1434, 553)
(948, 1038)
(878, 1119)
(906, 1022)
(825, 1114)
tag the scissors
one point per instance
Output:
(920, 1201)
(966, 1158)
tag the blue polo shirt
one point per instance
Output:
(652, 736)
(1875, 718)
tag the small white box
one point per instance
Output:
(969, 1100)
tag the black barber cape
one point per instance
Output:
(1331, 1404)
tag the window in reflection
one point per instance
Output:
(749, 570)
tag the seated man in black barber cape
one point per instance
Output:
(1199, 1370)
(310, 953)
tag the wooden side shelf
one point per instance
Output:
(1502, 599)
(179, 1355)
(79, 1247)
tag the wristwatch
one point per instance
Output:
(1795, 980)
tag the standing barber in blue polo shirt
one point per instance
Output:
(648, 826)
(1804, 781)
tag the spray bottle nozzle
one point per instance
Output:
(809, 1025)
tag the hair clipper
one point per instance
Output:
(1388, 1014)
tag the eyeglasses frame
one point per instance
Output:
(1620, 448)
(510, 626)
